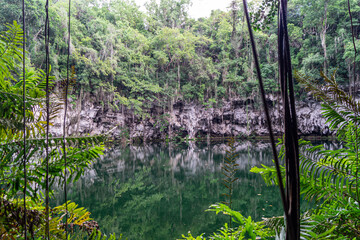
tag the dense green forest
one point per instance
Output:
(123, 56)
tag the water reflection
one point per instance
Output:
(161, 191)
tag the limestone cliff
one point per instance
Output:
(236, 117)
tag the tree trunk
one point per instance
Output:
(349, 71)
(323, 36)
(171, 113)
(178, 75)
(216, 90)
(79, 106)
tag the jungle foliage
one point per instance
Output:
(81, 151)
(329, 177)
(125, 57)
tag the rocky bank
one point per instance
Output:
(233, 118)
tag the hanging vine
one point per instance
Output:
(47, 69)
(290, 198)
(354, 94)
(64, 125)
(24, 120)
(266, 110)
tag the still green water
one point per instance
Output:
(159, 191)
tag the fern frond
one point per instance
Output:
(81, 152)
(326, 174)
(331, 93)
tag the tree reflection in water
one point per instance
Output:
(160, 192)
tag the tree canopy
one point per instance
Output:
(123, 56)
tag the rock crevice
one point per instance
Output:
(233, 118)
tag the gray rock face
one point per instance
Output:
(233, 118)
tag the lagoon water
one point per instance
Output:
(161, 191)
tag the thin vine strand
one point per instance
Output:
(266, 110)
(354, 95)
(290, 124)
(64, 125)
(47, 67)
(24, 118)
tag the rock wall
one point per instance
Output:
(233, 118)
